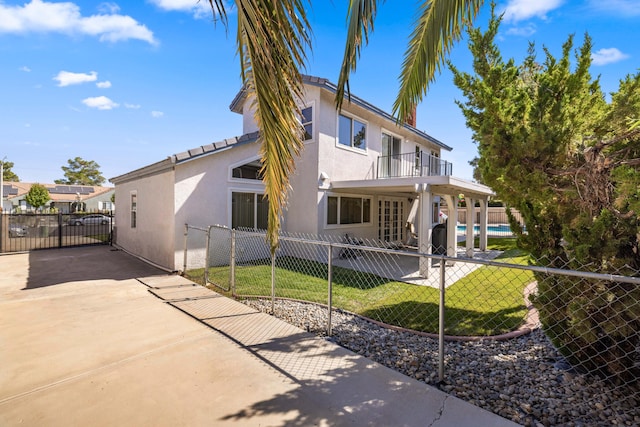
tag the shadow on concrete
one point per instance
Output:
(353, 389)
(333, 386)
(56, 266)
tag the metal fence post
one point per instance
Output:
(441, 322)
(232, 264)
(206, 257)
(273, 282)
(60, 230)
(330, 288)
(112, 220)
(186, 238)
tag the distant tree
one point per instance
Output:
(38, 196)
(7, 173)
(477, 174)
(81, 172)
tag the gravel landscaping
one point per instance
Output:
(522, 379)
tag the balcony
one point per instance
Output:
(414, 164)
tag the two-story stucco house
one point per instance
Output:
(360, 173)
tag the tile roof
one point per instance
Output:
(214, 147)
(57, 192)
(185, 156)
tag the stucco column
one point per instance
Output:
(452, 225)
(484, 204)
(471, 204)
(425, 220)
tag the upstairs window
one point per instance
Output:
(352, 132)
(307, 122)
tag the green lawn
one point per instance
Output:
(487, 301)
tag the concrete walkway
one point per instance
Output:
(92, 336)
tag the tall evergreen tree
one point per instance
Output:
(81, 172)
(7, 173)
(552, 147)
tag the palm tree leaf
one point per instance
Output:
(273, 37)
(438, 26)
(361, 15)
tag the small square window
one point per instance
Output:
(352, 132)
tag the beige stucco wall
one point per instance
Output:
(153, 238)
(203, 193)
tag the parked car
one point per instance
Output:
(17, 230)
(90, 220)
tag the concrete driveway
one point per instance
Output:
(93, 336)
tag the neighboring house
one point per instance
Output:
(65, 198)
(359, 174)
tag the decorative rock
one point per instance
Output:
(522, 379)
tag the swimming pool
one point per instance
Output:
(502, 229)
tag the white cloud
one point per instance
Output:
(25, 69)
(623, 8)
(65, 17)
(157, 114)
(519, 10)
(525, 31)
(100, 102)
(104, 85)
(67, 78)
(607, 56)
(108, 8)
(132, 106)
(199, 9)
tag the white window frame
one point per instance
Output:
(398, 164)
(240, 163)
(350, 147)
(311, 105)
(256, 193)
(351, 225)
(133, 217)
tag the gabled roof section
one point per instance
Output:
(192, 154)
(240, 98)
(215, 147)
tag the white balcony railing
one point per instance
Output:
(412, 164)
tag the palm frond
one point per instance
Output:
(218, 9)
(273, 37)
(361, 15)
(438, 26)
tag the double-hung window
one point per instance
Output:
(307, 123)
(134, 210)
(249, 210)
(352, 132)
(343, 210)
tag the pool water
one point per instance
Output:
(491, 229)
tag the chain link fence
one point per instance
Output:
(471, 326)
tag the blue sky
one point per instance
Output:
(127, 84)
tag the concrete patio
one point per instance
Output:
(93, 336)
